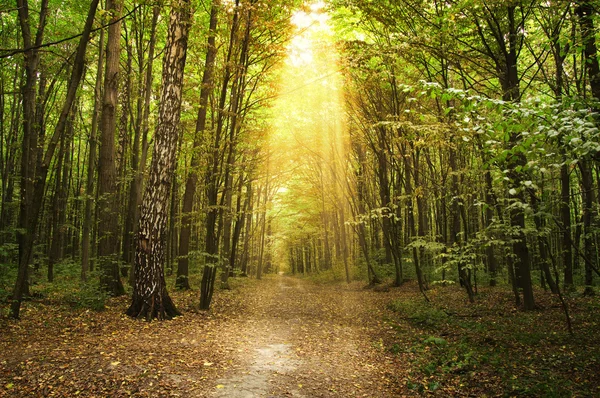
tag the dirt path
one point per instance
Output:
(279, 337)
(307, 340)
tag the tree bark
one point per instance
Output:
(490, 199)
(137, 185)
(263, 226)
(236, 115)
(565, 217)
(360, 212)
(29, 149)
(464, 274)
(150, 297)
(91, 167)
(182, 281)
(248, 215)
(516, 161)
(239, 224)
(544, 249)
(408, 188)
(213, 179)
(32, 185)
(59, 202)
(108, 220)
(585, 12)
(588, 199)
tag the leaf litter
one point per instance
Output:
(291, 337)
(295, 337)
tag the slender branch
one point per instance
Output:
(11, 52)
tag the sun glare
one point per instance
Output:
(308, 137)
(308, 24)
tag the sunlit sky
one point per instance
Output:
(300, 48)
(307, 137)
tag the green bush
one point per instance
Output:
(419, 312)
(88, 296)
(67, 288)
(8, 269)
(8, 275)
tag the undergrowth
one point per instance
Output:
(492, 349)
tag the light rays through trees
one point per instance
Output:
(308, 145)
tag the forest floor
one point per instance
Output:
(290, 337)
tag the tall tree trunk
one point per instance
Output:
(59, 202)
(150, 297)
(565, 217)
(91, 167)
(248, 214)
(172, 241)
(76, 213)
(588, 203)
(585, 11)
(32, 186)
(408, 188)
(236, 97)
(129, 216)
(490, 200)
(236, 116)
(360, 209)
(515, 163)
(135, 196)
(545, 250)
(122, 151)
(239, 224)
(29, 149)
(457, 208)
(9, 149)
(182, 281)
(387, 223)
(344, 239)
(263, 226)
(325, 222)
(213, 179)
(108, 216)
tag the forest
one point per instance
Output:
(338, 198)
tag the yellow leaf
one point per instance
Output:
(220, 386)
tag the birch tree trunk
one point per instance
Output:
(150, 297)
(140, 140)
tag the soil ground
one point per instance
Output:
(291, 337)
(279, 337)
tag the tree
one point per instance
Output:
(140, 140)
(108, 221)
(27, 220)
(34, 163)
(585, 12)
(86, 239)
(150, 296)
(192, 178)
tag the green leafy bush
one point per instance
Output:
(419, 312)
(67, 288)
(88, 296)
